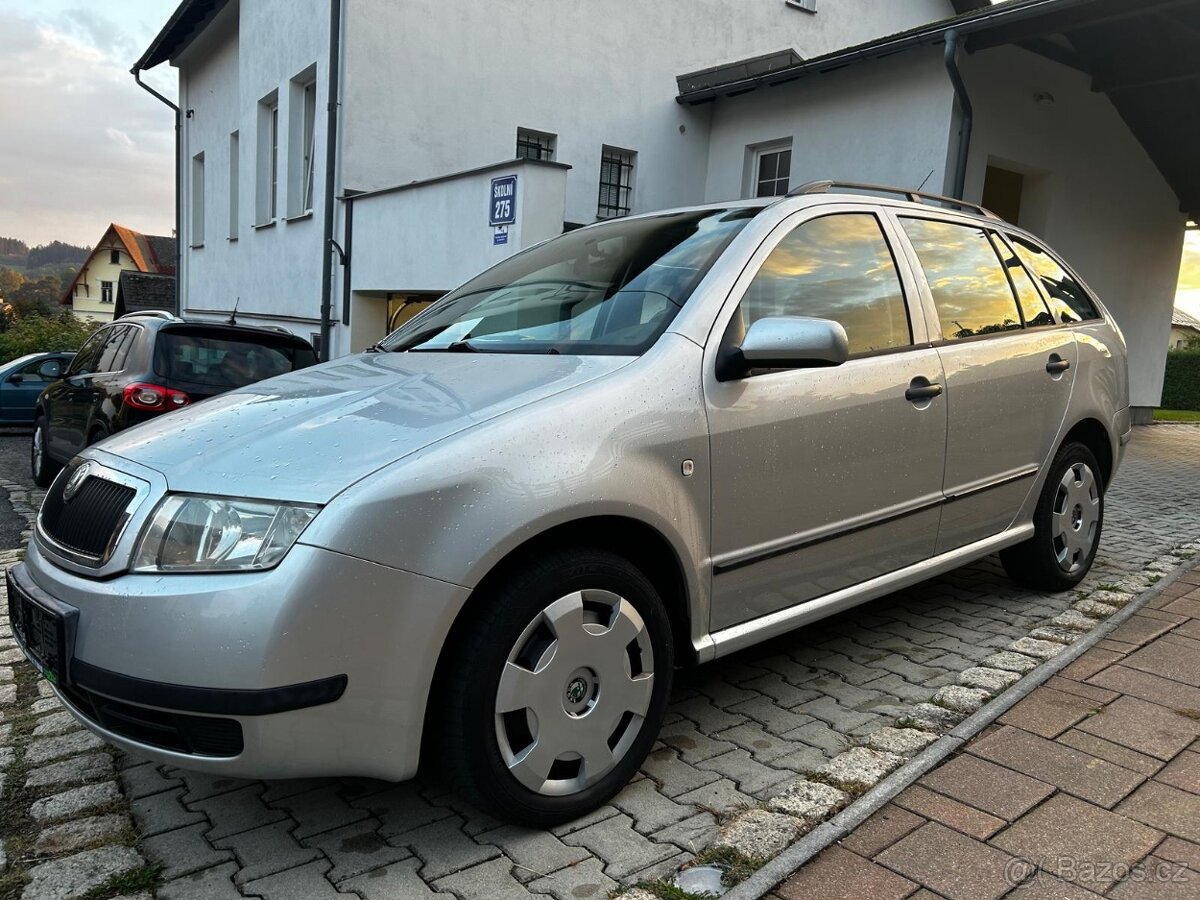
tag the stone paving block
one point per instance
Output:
(772, 717)
(859, 768)
(80, 833)
(1114, 753)
(322, 809)
(203, 785)
(183, 851)
(532, 852)
(444, 848)
(722, 797)
(209, 884)
(961, 699)
(821, 736)
(45, 705)
(694, 746)
(162, 812)
(73, 876)
(900, 741)
(392, 882)
(1182, 772)
(1036, 648)
(649, 809)
(719, 692)
(940, 808)
(355, 849)
(616, 841)
(806, 760)
(51, 748)
(1094, 608)
(307, 881)
(1074, 620)
(59, 723)
(784, 693)
(75, 802)
(400, 809)
(758, 834)
(987, 679)
(77, 770)
(1145, 686)
(751, 777)
(144, 780)
(928, 717)
(673, 775)
(760, 743)
(838, 874)
(811, 801)
(585, 881)
(491, 880)
(236, 811)
(1165, 808)
(1146, 727)
(598, 815)
(692, 834)
(950, 863)
(840, 703)
(708, 718)
(1097, 842)
(1097, 695)
(987, 786)
(881, 830)
(1048, 712)
(891, 685)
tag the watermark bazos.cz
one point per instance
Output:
(1084, 872)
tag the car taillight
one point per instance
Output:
(154, 397)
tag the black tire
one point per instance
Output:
(1046, 562)
(41, 466)
(470, 733)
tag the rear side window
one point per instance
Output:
(969, 287)
(226, 361)
(836, 267)
(1067, 296)
(114, 344)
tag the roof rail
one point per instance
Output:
(824, 187)
(153, 313)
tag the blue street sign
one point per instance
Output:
(503, 207)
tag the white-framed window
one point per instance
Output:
(302, 135)
(616, 183)
(267, 161)
(535, 144)
(196, 238)
(106, 292)
(234, 177)
(770, 169)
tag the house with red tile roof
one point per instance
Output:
(93, 292)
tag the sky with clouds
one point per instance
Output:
(80, 143)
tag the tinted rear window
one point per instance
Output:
(225, 360)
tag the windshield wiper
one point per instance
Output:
(463, 346)
(376, 347)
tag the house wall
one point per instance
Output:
(86, 304)
(1091, 191)
(271, 271)
(885, 122)
(1182, 337)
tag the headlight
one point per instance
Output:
(188, 533)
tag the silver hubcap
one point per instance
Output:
(1076, 517)
(37, 451)
(574, 692)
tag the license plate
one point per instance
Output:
(41, 632)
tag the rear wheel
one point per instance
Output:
(42, 467)
(1067, 525)
(557, 689)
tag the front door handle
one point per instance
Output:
(921, 389)
(1057, 365)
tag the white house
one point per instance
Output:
(568, 112)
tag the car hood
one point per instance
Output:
(307, 435)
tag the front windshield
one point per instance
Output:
(607, 289)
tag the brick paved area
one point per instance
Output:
(1089, 786)
(739, 732)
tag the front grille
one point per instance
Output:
(85, 523)
(179, 732)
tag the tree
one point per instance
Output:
(37, 297)
(37, 334)
(56, 253)
(10, 281)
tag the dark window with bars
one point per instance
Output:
(774, 172)
(616, 183)
(534, 145)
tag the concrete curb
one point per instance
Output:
(778, 869)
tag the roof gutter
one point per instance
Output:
(968, 114)
(328, 245)
(136, 71)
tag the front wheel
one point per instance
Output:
(41, 466)
(1067, 524)
(556, 690)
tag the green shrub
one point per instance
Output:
(38, 334)
(1181, 388)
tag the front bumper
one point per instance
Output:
(324, 662)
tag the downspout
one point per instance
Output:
(137, 77)
(331, 137)
(968, 115)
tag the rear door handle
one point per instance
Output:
(1057, 365)
(921, 388)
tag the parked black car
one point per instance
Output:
(143, 365)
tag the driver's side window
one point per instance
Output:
(835, 267)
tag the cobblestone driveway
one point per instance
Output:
(738, 732)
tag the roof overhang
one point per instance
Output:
(190, 18)
(1144, 56)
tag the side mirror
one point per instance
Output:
(16, 378)
(51, 369)
(793, 342)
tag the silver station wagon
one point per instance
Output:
(488, 541)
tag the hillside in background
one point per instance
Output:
(52, 257)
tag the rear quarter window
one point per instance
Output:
(225, 361)
(1067, 297)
